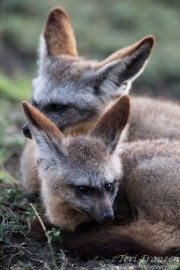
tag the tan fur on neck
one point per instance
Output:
(81, 128)
(85, 127)
(61, 213)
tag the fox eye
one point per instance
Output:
(96, 89)
(57, 107)
(108, 187)
(83, 189)
(34, 103)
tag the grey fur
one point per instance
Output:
(83, 86)
(74, 92)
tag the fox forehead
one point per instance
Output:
(90, 163)
(61, 77)
(45, 92)
(95, 177)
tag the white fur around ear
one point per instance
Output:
(112, 79)
(57, 38)
(116, 73)
(42, 53)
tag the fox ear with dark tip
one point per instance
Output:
(58, 36)
(116, 73)
(113, 123)
(47, 136)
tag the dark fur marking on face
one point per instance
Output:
(70, 115)
(55, 107)
(34, 103)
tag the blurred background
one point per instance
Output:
(101, 28)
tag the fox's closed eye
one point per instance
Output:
(34, 103)
(57, 107)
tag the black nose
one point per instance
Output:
(26, 131)
(109, 215)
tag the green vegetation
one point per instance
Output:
(54, 235)
(17, 89)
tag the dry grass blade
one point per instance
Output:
(48, 238)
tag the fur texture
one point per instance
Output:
(88, 177)
(72, 91)
(59, 35)
(138, 238)
(154, 119)
(79, 175)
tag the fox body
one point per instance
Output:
(98, 176)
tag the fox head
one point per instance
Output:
(79, 175)
(70, 89)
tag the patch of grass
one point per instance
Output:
(54, 236)
(174, 266)
(17, 89)
(143, 263)
(11, 119)
(11, 141)
(8, 141)
(15, 216)
(15, 212)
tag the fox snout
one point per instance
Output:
(105, 216)
(26, 131)
(103, 211)
(109, 215)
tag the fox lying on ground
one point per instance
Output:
(98, 176)
(74, 92)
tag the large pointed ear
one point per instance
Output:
(58, 35)
(116, 73)
(113, 123)
(47, 136)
